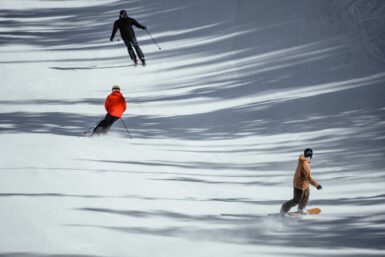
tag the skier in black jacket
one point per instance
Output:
(124, 24)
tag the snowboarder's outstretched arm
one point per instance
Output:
(114, 29)
(137, 24)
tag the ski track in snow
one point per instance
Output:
(218, 119)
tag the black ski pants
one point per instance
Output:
(300, 197)
(104, 125)
(132, 42)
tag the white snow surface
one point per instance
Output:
(218, 118)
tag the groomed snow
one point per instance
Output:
(218, 119)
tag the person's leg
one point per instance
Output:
(297, 196)
(139, 52)
(109, 121)
(130, 50)
(304, 200)
(99, 128)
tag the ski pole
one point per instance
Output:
(97, 123)
(126, 128)
(153, 39)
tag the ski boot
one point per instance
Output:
(143, 61)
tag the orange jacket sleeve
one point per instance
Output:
(106, 103)
(124, 105)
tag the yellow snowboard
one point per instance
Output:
(312, 211)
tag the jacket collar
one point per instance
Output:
(116, 93)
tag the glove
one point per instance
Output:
(144, 27)
(111, 39)
(319, 187)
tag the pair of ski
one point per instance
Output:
(89, 132)
(93, 67)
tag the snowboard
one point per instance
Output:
(312, 211)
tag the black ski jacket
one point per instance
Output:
(125, 27)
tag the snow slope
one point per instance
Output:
(218, 119)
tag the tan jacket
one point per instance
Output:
(302, 175)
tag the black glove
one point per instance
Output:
(144, 27)
(111, 39)
(319, 187)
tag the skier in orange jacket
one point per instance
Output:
(301, 181)
(115, 105)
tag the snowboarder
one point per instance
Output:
(302, 178)
(124, 24)
(115, 105)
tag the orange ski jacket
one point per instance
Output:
(302, 175)
(115, 104)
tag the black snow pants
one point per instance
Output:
(132, 42)
(301, 197)
(104, 125)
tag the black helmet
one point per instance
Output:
(122, 14)
(308, 153)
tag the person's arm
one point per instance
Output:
(114, 29)
(137, 24)
(124, 104)
(311, 180)
(107, 103)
